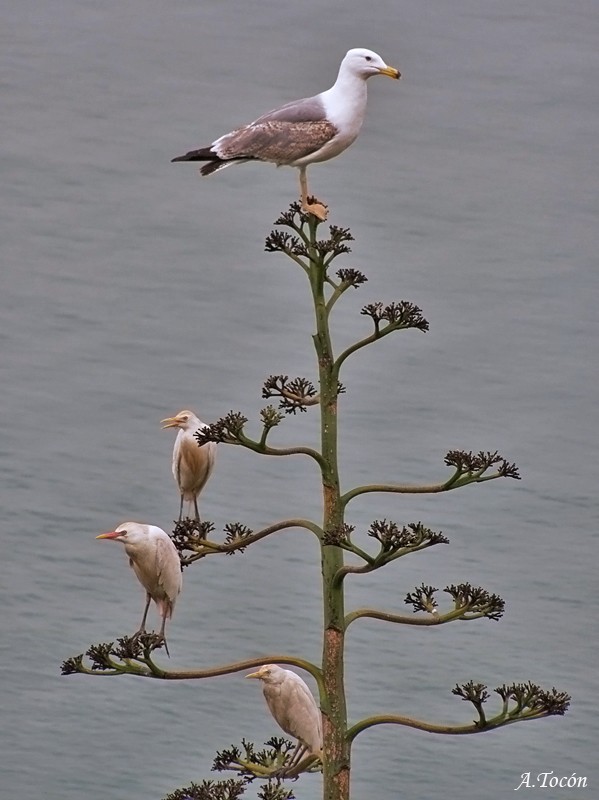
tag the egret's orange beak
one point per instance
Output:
(169, 422)
(111, 535)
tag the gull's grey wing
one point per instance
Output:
(308, 109)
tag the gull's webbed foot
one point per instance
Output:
(319, 210)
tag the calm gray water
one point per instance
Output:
(131, 289)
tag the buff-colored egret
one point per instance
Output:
(192, 464)
(157, 566)
(292, 704)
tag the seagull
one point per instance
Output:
(294, 708)
(304, 131)
(157, 566)
(192, 464)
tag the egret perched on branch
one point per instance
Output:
(304, 131)
(293, 706)
(157, 566)
(192, 464)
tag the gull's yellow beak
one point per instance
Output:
(391, 72)
(169, 422)
(255, 674)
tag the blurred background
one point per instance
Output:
(131, 289)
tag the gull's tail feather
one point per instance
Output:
(215, 162)
(203, 154)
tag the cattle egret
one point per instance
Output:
(192, 464)
(292, 704)
(157, 566)
(304, 131)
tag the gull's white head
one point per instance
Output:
(186, 420)
(128, 533)
(366, 63)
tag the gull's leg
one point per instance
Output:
(318, 209)
(142, 627)
(195, 505)
(181, 509)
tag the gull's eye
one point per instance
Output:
(368, 58)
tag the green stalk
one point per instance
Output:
(337, 752)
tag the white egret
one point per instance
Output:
(292, 704)
(192, 464)
(304, 131)
(157, 566)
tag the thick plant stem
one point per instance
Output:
(336, 748)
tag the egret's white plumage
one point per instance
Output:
(304, 131)
(156, 563)
(292, 704)
(192, 464)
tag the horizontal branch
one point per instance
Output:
(469, 468)
(238, 666)
(133, 656)
(266, 450)
(396, 488)
(205, 547)
(409, 722)
(434, 619)
(520, 702)
(229, 430)
(470, 602)
(401, 619)
(431, 727)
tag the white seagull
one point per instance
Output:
(192, 465)
(304, 131)
(157, 566)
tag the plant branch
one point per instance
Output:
(347, 278)
(402, 619)
(394, 542)
(374, 337)
(397, 316)
(239, 537)
(469, 468)
(521, 702)
(108, 659)
(266, 450)
(230, 430)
